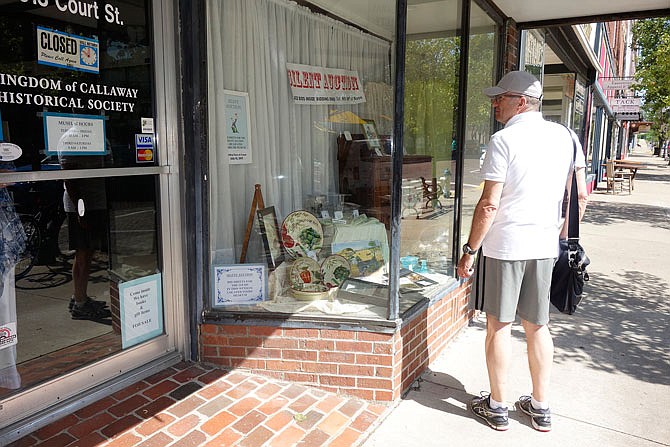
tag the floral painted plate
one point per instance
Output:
(301, 234)
(335, 270)
(304, 271)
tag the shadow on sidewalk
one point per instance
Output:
(660, 177)
(607, 213)
(445, 393)
(440, 391)
(622, 325)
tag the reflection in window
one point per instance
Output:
(117, 244)
(431, 95)
(430, 148)
(482, 63)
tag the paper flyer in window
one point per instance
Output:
(236, 123)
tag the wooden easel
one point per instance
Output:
(256, 204)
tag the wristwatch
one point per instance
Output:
(468, 250)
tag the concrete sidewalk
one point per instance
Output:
(611, 379)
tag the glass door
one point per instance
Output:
(81, 186)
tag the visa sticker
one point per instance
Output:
(145, 140)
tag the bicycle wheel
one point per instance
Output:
(29, 254)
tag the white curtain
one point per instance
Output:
(293, 146)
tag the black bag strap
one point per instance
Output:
(573, 224)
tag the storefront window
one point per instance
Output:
(300, 110)
(558, 98)
(580, 105)
(482, 64)
(429, 162)
(80, 261)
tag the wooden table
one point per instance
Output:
(633, 166)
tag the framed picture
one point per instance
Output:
(370, 131)
(274, 252)
(365, 257)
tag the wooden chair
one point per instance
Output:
(619, 178)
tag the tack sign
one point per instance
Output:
(144, 147)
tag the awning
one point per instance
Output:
(430, 16)
(523, 11)
(600, 99)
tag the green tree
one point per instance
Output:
(651, 38)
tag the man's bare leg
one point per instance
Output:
(498, 347)
(540, 358)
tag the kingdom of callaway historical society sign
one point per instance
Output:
(320, 85)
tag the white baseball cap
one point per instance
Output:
(520, 82)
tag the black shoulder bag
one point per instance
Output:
(569, 275)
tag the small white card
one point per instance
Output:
(338, 215)
(354, 213)
(325, 214)
(147, 125)
(347, 135)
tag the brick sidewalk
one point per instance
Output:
(198, 405)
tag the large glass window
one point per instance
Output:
(80, 265)
(300, 110)
(431, 99)
(307, 169)
(482, 64)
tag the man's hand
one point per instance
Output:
(464, 269)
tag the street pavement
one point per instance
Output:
(611, 375)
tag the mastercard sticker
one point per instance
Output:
(144, 155)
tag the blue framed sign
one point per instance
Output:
(239, 284)
(71, 134)
(141, 308)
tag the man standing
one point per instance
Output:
(517, 222)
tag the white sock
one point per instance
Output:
(495, 404)
(538, 405)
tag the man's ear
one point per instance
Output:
(523, 104)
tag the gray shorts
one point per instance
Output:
(508, 288)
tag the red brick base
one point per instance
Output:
(368, 365)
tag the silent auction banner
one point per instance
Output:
(320, 85)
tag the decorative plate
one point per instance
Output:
(304, 271)
(301, 234)
(310, 292)
(335, 270)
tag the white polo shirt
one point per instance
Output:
(532, 157)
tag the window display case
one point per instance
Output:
(300, 108)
